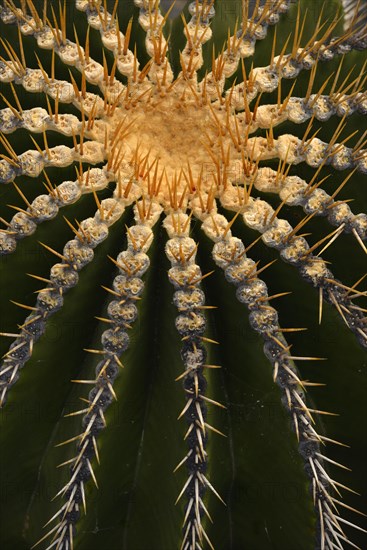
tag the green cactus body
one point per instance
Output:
(156, 161)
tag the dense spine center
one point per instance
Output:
(177, 134)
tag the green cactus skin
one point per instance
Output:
(182, 180)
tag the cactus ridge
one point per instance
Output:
(222, 159)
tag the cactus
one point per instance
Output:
(168, 172)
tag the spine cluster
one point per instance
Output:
(289, 66)
(294, 249)
(127, 287)
(295, 191)
(143, 171)
(46, 207)
(77, 253)
(293, 150)
(31, 163)
(189, 299)
(229, 254)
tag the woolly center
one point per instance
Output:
(178, 137)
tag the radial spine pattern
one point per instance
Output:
(186, 143)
